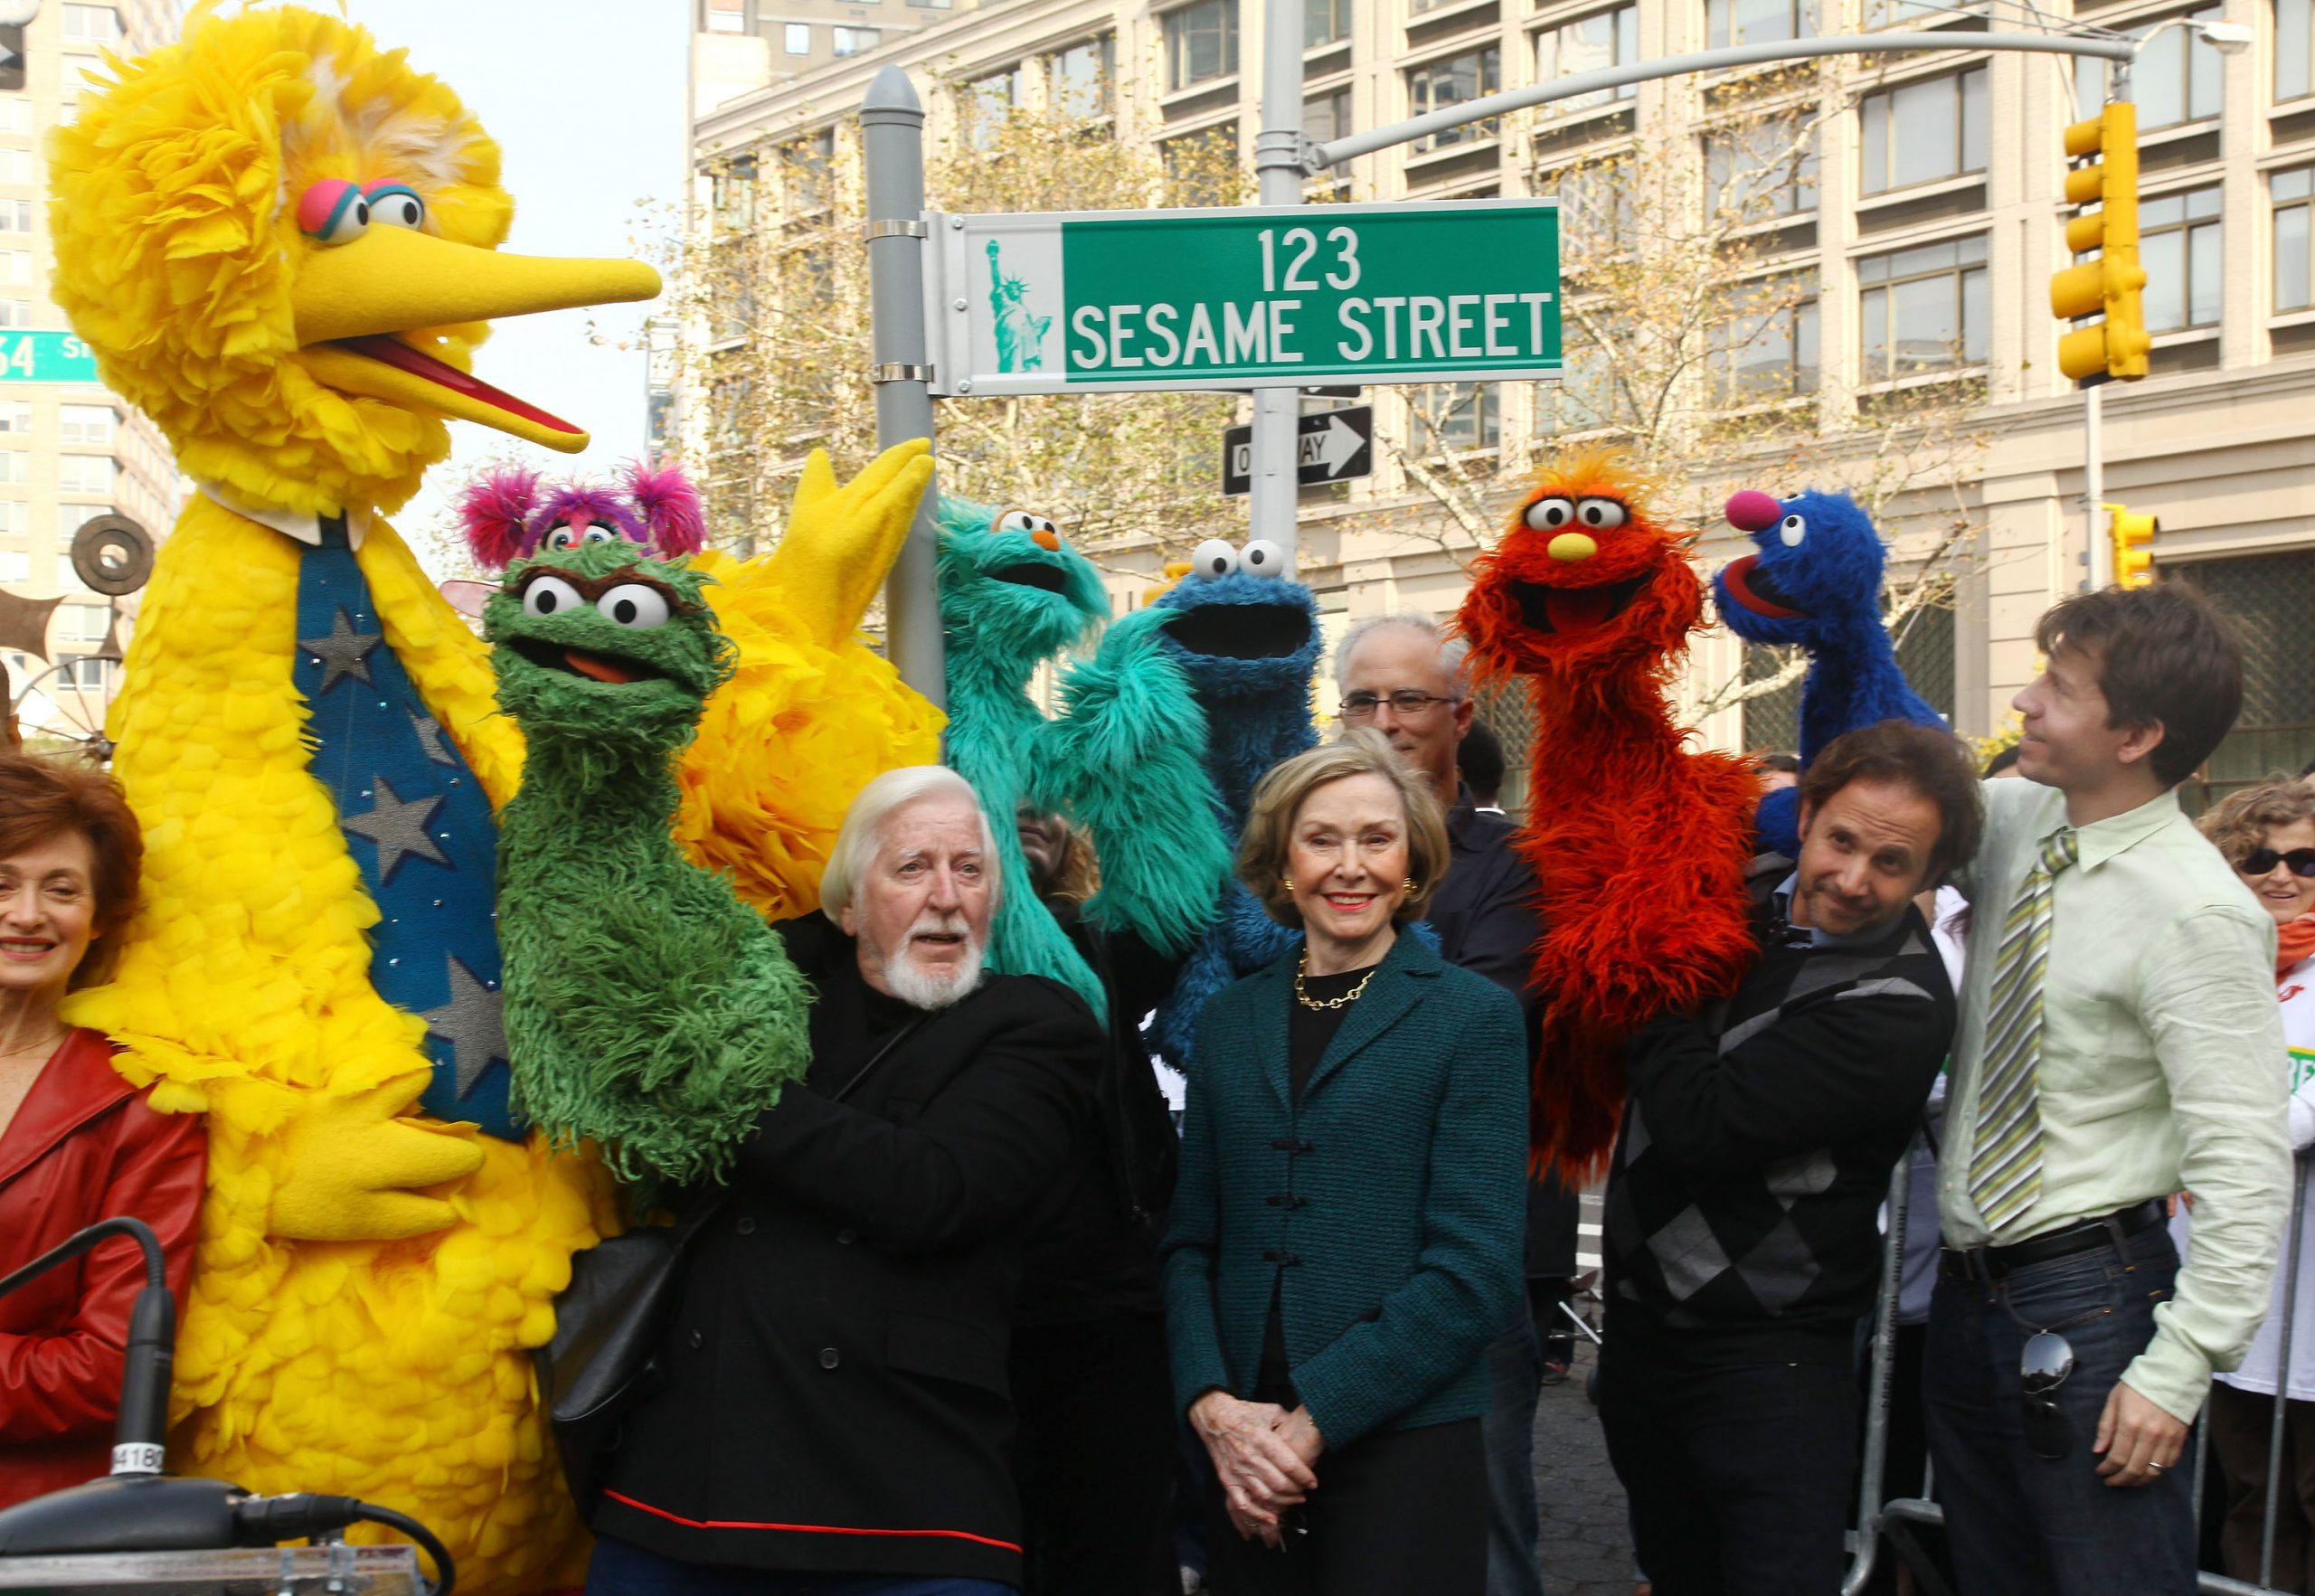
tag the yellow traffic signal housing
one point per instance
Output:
(2106, 147)
(2132, 536)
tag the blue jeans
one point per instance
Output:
(1515, 1365)
(2024, 1526)
(621, 1568)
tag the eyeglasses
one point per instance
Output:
(2259, 862)
(2042, 1368)
(1407, 705)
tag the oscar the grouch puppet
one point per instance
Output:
(647, 1008)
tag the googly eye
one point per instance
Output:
(1791, 531)
(1549, 515)
(600, 533)
(1262, 557)
(1015, 521)
(1601, 515)
(1214, 558)
(395, 204)
(562, 538)
(333, 211)
(634, 604)
(550, 595)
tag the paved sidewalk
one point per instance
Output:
(1585, 1544)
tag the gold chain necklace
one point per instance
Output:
(1345, 1001)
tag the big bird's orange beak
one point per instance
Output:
(351, 302)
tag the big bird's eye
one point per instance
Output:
(1550, 515)
(601, 531)
(634, 604)
(562, 538)
(333, 211)
(1262, 557)
(1791, 531)
(550, 595)
(1214, 558)
(1601, 515)
(395, 204)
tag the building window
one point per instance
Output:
(71, 518)
(1589, 44)
(1453, 417)
(2178, 247)
(1759, 22)
(16, 216)
(1923, 309)
(1597, 217)
(78, 671)
(854, 41)
(2174, 81)
(797, 38)
(1764, 341)
(66, 578)
(1200, 43)
(15, 565)
(932, 5)
(1922, 132)
(1082, 77)
(91, 24)
(1324, 21)
(1327, 117)
(991, 100)
(1763, 169)
(15, 467)
(85, 423)
(727, 16)
(84, 474)
(16, 115)
(16, 417)
(2294, 201)
(1436, 85)
(15, 313)
(734, 195)
(808, 167)
(2294, 48)
(16, 167)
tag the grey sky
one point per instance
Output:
(586, 100)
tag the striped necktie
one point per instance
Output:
(2006, 1158)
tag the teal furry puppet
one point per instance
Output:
(647, 1008)
(1123, 760)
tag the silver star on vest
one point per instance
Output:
(474, 1024)
(344, 653)
(429, 738)
(398, 827)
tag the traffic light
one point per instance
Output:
(2133, 538)
(2105, 174)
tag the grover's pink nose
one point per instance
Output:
(1752, 511)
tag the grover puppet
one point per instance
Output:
(1639, 844)
(1816, 582)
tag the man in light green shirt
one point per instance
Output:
(2116, 1044)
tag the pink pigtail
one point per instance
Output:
(669, 505)
(493, 510)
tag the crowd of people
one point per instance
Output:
(974, 1314)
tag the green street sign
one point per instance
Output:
(1451, 290)
(45, 357)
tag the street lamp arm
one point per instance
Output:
(1316, 158)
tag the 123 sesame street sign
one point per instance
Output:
(1067, 302)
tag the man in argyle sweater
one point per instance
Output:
(1741, 1240)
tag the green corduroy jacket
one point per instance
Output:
(1387, 1206)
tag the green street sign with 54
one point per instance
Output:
(1457, 291)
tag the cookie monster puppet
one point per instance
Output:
(1815, 585)
(1247, 638)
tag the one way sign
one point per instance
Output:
(1333, 446)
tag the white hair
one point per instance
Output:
(861, 833)
(1452, 651)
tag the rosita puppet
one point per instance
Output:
(280, 241)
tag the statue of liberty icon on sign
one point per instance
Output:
(1020, 336)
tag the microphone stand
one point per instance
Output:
(138, 1507)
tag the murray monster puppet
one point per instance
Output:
(1815, 585)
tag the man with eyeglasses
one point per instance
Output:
(1400, 677)
(1757, 1144)
(2119, 1044)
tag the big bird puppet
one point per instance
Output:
(280, 241)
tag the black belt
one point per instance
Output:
(1992, 1263)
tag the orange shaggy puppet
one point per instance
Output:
(1639, 843)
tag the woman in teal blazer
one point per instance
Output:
(1347, 1230)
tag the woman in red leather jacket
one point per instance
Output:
(77, 1142)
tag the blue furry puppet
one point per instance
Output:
(1123, 760)
(1248, 638)
(1816, 583)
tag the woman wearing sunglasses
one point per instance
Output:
(2267, 832)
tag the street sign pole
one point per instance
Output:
(1278, 166)
(892, 139)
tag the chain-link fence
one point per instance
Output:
(2271, 599)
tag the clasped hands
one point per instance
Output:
(1262, 1455)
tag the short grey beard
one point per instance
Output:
(921, 989)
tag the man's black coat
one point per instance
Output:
(835, 1398)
